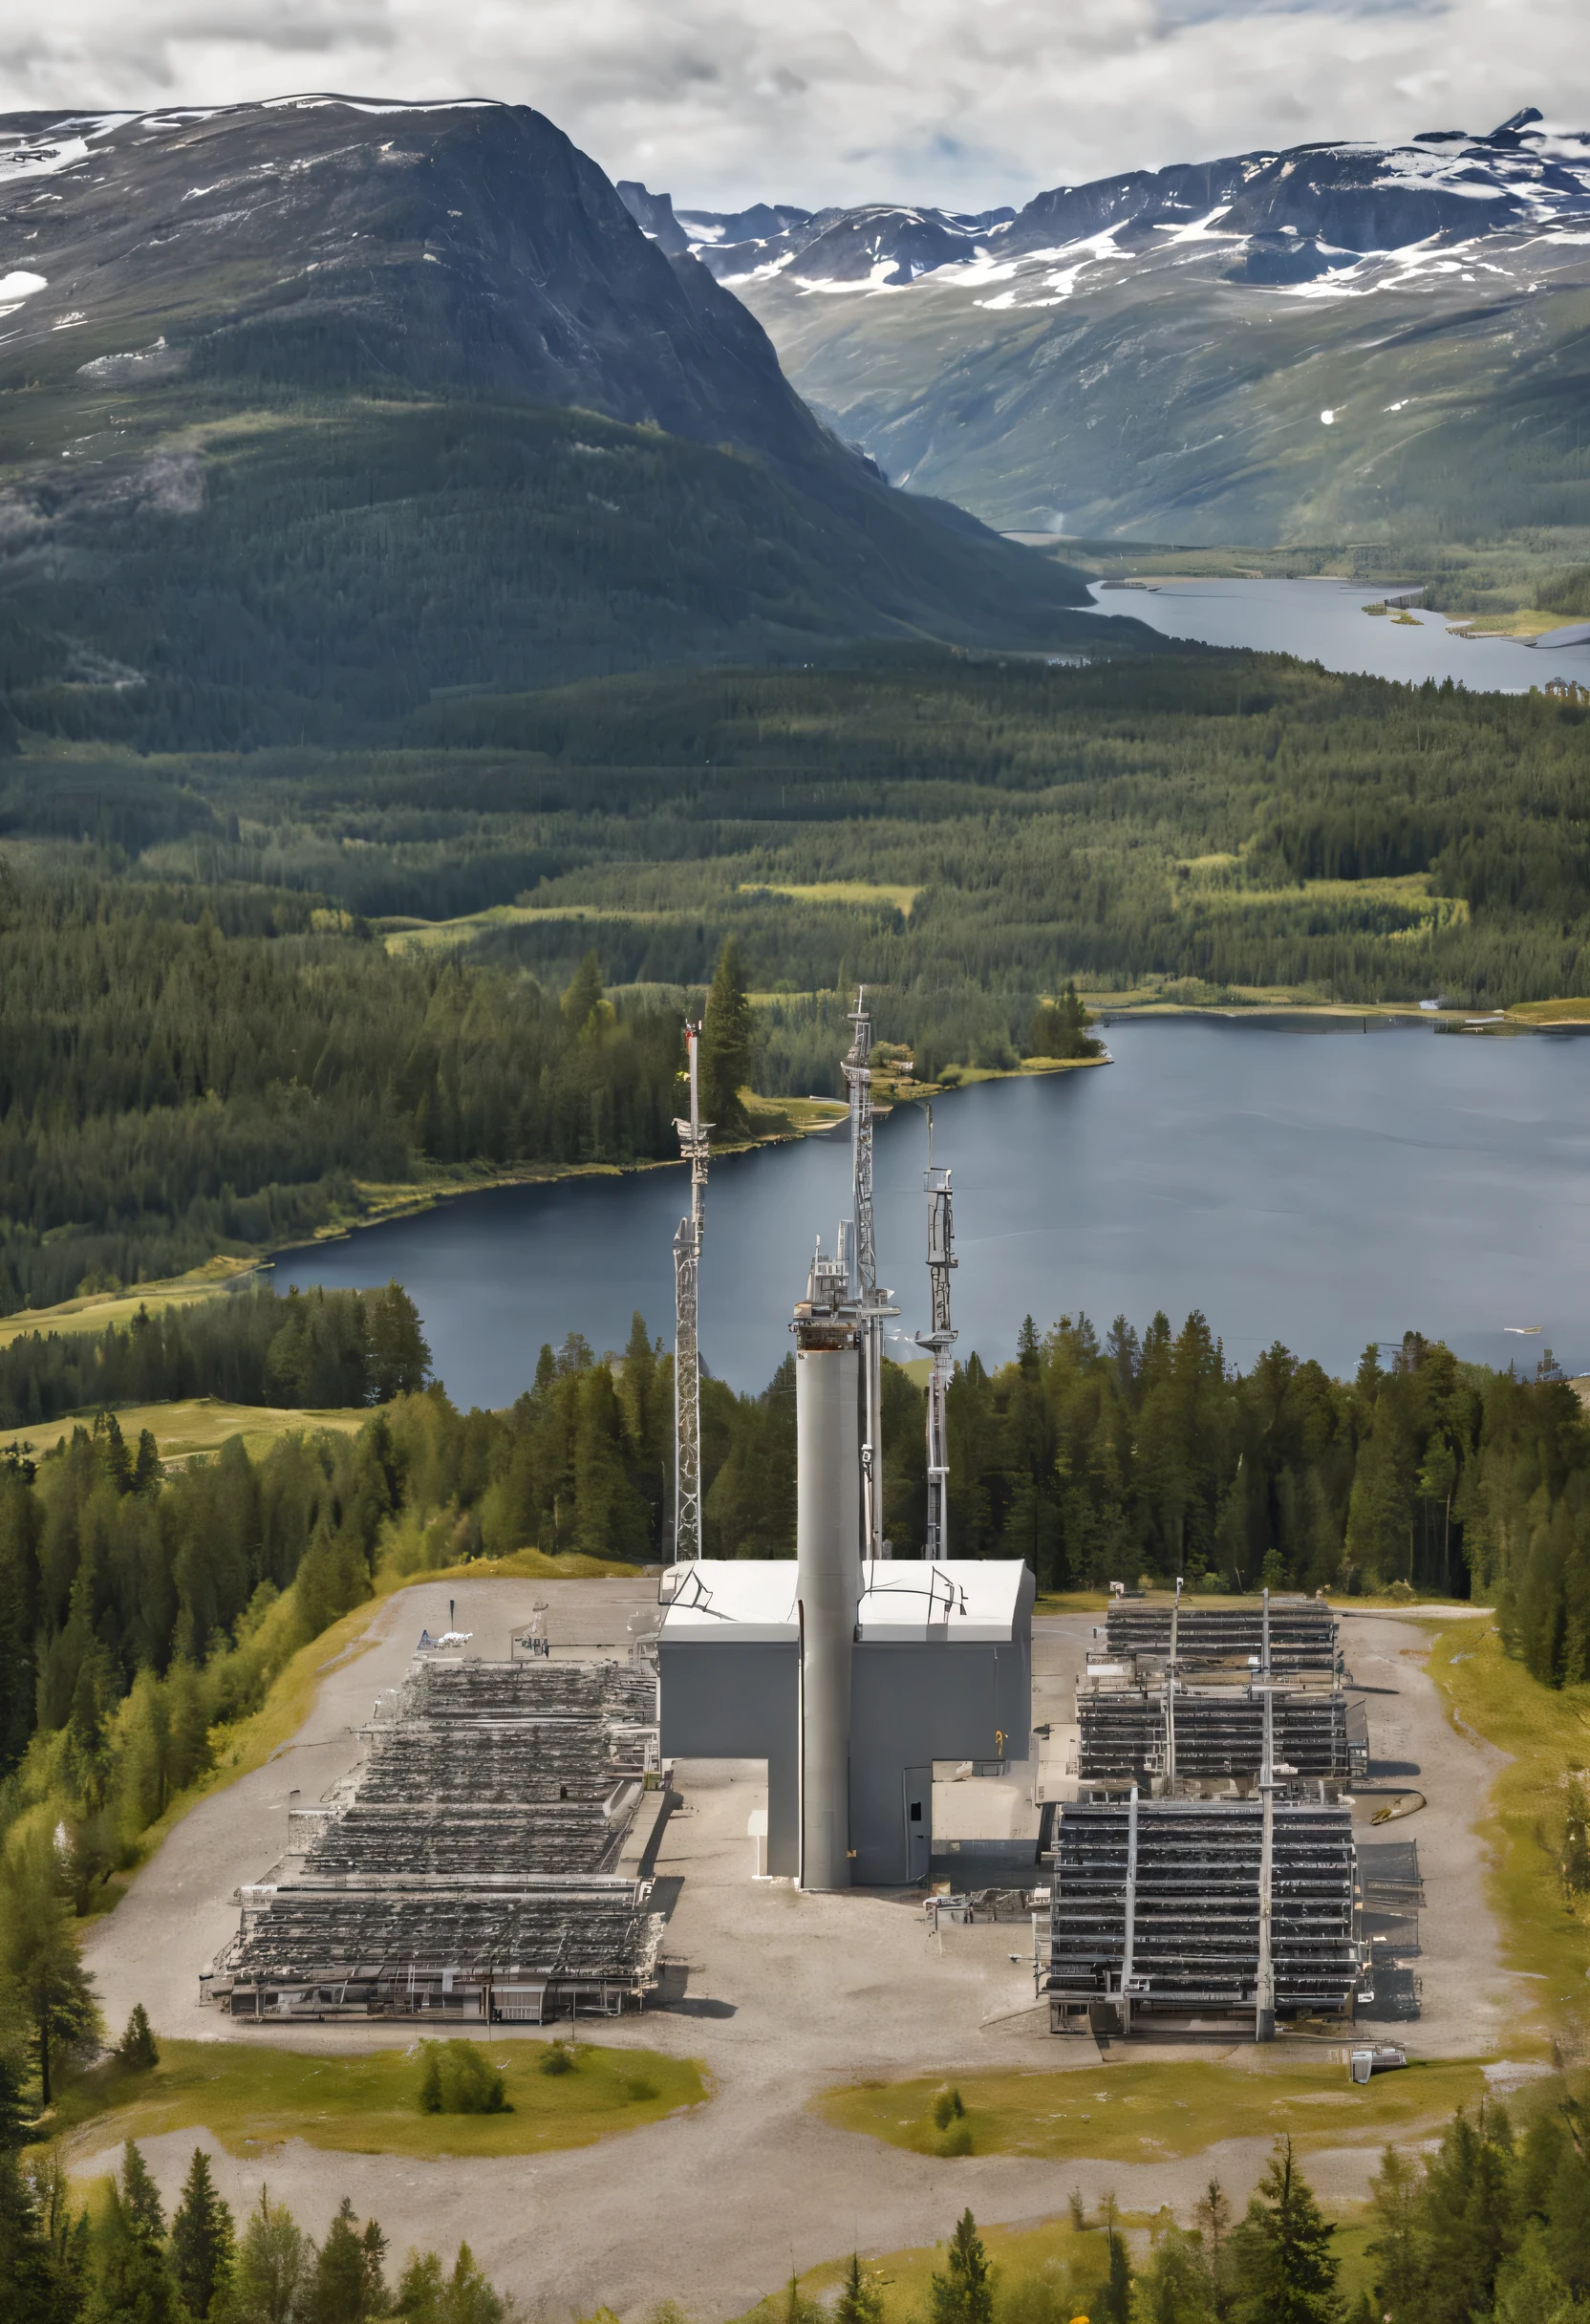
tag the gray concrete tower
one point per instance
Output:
(828, 1550)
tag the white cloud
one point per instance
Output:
(960, 101)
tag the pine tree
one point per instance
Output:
(202, 2239)
(1467, 2214)
(133, 2282)
(272, 2266)
(30, 2291)
(1115, 2295)
(1177, 2287)
(1212, 2213)
(136, 2049)
(1394, 2200)
(964, 2294)
(39, 1954)
(400, 1357)
(1283, 2265)
(858, 2302)
(728, 1047)
(345, 2283)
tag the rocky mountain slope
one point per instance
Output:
(311, 408)
(1334, 341)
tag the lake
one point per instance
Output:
(1296, 1181)
(1324, 621)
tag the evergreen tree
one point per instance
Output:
(136, 2049)
(1115, 2295)
(31, 2290)
(273, 2261)
(202, 2238)
(132, 2280)
(1213, 2215)
(728, 1048)
(858, 2302)
(1468, 2215)
(400, 1357)
(964, 2294)
(1394, 2200)
(1284, 2271)
(38, 1955)
(1177, 2287)
(345, 2283)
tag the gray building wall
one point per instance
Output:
(741, 1700)
(909, 1704)
(913, 1704)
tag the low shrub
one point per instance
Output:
(457, 2078)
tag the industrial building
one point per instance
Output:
(480, 1865)
(851, 1670)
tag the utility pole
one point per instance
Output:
(939, 1343)
(871, 1299)
(687, 1357)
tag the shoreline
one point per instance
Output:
(95, 1311)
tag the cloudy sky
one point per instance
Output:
(965, 102)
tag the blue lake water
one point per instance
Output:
(1324, 1187)
(1324, 621)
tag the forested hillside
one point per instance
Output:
(183, 1072)
(308, 1351)
(228, 1012)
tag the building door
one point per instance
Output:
(918, 1822)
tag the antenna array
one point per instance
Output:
(870, 1298)
(940, 1343)
(687, 1358)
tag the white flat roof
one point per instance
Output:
(965, 1601)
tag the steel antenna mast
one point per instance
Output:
(871, 1298)
(687, 1356)
(940, 1343)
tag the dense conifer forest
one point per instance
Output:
(229, 1013)
(143, 1609)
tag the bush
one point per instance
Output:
(639, 2088)
(137, 2049)
(558, 2057)
(458, 2080)
(958, 2138)
(947, 2107)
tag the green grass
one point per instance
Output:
(96, 1310)
(898, 897)
(196, 1424)
(1544, 1731)
(250, 2096)
(1129, 2111)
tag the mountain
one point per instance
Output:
(311, 409)
(1327, 342)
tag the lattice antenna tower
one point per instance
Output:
(872, 1297)
(687, 1354)
(939, 1343)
